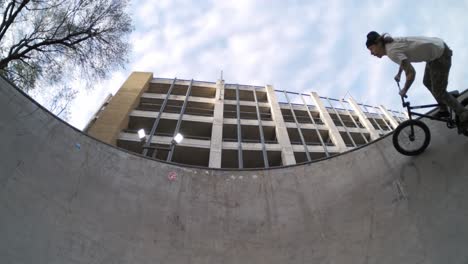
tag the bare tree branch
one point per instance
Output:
(92, 33)
(48, 43)
(10, 15)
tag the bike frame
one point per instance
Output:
(409, 108)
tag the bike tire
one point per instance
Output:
(398, 144)
(464, 102)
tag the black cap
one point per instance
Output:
(372, 38)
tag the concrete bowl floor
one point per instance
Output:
(68, 198)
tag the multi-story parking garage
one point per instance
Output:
(234, 126)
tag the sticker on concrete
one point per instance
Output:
(78, 146)
(172, 176)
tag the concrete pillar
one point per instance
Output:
(389, 117)
(287, 153)
(327, 120)
(364, 120)
(217, 129)
(115, 116)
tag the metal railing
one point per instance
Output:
(175, 109)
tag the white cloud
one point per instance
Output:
(299, 46)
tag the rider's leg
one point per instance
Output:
(439, 71)
(443, 110)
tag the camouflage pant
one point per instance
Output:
(436, 80)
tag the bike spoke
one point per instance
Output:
(411, 140)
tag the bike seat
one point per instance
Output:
(454, 93)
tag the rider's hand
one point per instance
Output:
(403, 92)
(397, 78)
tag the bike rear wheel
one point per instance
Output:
(411, 137)
(464, 102)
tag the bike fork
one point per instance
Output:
(411, 135)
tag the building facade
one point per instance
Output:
(234, 126)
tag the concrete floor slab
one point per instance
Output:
(68, 198)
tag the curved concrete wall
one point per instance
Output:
(67, 198)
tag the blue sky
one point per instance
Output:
(293, 45)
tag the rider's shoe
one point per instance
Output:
(441, 114)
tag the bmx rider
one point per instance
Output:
(438, 57)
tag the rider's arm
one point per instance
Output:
(398, 75)
(410, 75)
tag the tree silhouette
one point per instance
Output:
(54, 42)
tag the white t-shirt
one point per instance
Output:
(415, 49)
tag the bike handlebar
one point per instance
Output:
(405, 104)
(399, 88)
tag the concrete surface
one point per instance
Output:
(67, 198)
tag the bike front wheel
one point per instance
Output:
(411, 137)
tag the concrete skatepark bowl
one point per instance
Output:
(68, 198)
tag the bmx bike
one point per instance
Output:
(413, 136)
